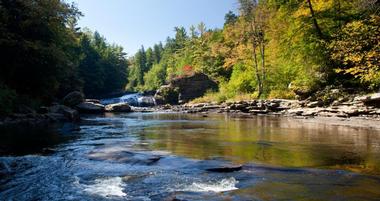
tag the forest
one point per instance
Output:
(45, 55)
(270, 49)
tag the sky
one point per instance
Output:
(132, 23)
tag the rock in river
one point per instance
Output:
(146, 101)
(88, 107)
(69, 113)
(118, 107)
(219, 166)
(93, 101)
(136, 158)
(227, 168)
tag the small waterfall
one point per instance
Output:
(135, 99)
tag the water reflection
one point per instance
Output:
(268, 140)
(140, 157)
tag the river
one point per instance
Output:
(167, 156)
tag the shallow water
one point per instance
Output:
(165, 156)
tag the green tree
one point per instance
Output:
(256, 18)
(230, 18)
(155, 77)
(157, 52)
(149, 59)
(103, 67)
(38, 45)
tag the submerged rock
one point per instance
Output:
(126, 157)
(218, 165)
(226, 168)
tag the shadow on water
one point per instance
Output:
(23, 140)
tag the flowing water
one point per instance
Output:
(161, 156)
(133, 99)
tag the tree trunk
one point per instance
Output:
(315, 22)
(258, 77)
(263, 69)
(256, 65)
(338, 13)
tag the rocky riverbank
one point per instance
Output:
(74, 104)
(361, 106)
(69, 109)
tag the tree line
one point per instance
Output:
(44, 55)
(274, 49)
(270, 49)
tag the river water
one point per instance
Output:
(167, 156)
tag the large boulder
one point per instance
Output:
(184, 89)
(72, 99)
(166, 94)
(88, 107)
(67, 112)
(118, 107)
(146, 101)
(193, 86)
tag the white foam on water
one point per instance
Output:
(221, 186)
(106, 187)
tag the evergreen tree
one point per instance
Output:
(149, 59)
(230, 18)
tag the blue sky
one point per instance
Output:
(132, 23)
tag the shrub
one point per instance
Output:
(155, 77)
(242, 81)
(285, 94)
(304, 87)
(211, 97)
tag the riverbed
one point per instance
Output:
(170, 156)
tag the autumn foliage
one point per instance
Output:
(357, 50)
(187, 70)
(277, 49)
